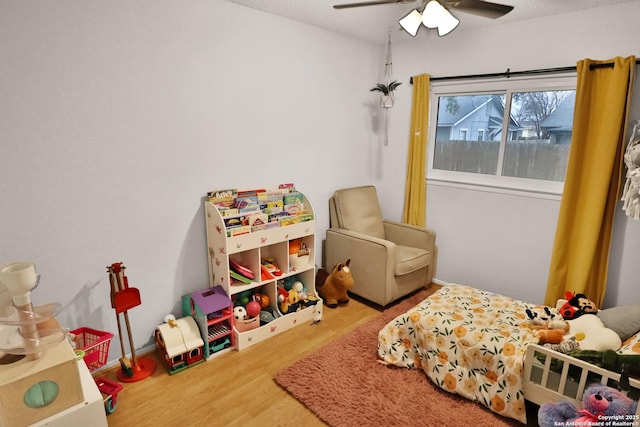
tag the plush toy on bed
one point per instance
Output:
(592, 334)
(332, 287)
(577, 305)
(598, 401)
(548, 327)
(547, 320)
(607, 359)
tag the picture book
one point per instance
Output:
(293, 198)
(223, 198)
(288, 220)
(294, 209)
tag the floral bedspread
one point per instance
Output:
(468, 342)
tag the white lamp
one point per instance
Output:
(432, 14)
(448, 23)
(411, 22)
(437, 16)
(20, 278)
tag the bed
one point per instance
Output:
(473, 343)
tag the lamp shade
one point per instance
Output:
(436, 16)
(447, 24)
(19, 278)
(411, 22)
(432, 14)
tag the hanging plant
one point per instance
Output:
(386, 89)
(386, 93)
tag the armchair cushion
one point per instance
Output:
(410, 259)
(358, 210)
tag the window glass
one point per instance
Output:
(540, 147)
(506, 133)
(467, 117)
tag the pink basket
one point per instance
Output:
(247, 325)
(95, 345)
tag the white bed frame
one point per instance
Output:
(541, 384)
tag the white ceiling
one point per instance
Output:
(373, 23)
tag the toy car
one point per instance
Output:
(221, 344)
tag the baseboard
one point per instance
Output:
(439, 282)
(111, 364)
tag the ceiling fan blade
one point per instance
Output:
(479, 7)
(370, 3)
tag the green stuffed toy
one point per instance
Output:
(624, 364)
(607, 359)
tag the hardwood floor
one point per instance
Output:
(236, 388)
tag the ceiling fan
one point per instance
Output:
(474, 7)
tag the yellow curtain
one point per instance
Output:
(580, 258)
(415, 193)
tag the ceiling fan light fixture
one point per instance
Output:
(411, 22)
(437, 16)
(447, 24)
(432, 14)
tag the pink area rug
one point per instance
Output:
(344, 385)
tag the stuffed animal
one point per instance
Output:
(547, 326)
(598, 401)
(566, 346)
(607, 359)
(548, 320)
(288, 301)
(332, 287)
(577, 305)
(549, 336)
(592, 334)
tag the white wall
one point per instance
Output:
(119, 116)
(495, 241)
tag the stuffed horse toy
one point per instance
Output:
(332, 287)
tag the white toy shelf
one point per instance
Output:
(249, 246)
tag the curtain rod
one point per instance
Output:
(510, 73)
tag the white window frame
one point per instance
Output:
(534, 187)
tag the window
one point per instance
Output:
(509, 133)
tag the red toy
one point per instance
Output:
(577, 305)
(124, 298)
(109, 390)
(94, 346)
(241, 269)
(253, 308)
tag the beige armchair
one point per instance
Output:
(388, 259)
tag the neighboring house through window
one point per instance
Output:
(512, 133)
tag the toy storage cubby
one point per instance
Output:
(249, 249)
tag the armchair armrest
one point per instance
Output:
(410, 235)
(358, 242)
